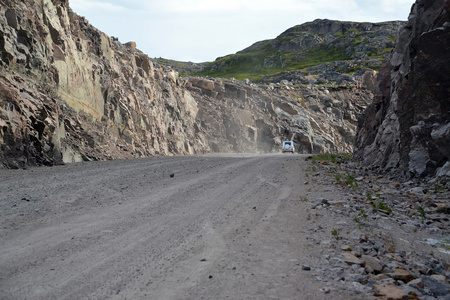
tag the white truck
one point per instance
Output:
(288, 146)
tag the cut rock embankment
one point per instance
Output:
(71, 93)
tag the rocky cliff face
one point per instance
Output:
(68, 92)
(71, 93)
(244, 117)
(407, 128)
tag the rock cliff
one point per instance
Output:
(407, 128)
(69, 92)
(244, 117)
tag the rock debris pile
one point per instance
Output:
(391, 239)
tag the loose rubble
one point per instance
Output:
(393, 238)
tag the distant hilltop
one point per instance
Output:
(309, 49)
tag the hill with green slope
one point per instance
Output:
(309, 49)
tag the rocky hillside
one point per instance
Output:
(310, 49)
(69, 92)
(407, 128)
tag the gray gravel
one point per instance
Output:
(228, 227)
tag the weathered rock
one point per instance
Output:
(350, 259)
(346, 248)
(372, 264)
(369, 79)
(436, 287)
(403, 275)
(380, 277)
(72, 93)
(68, 93)
(306, 268)
(319, 202)
(407, 128)
(391, 292)
(417, 282)
(394, 241)
(243, 118)
(440, 278)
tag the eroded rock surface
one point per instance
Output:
(70, 92)
(407, 128)
(241, 117)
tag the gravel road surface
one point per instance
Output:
(204, 227)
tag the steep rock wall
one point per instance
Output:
(68, 93)
(243, 117)
(407, 128)
(79, 94)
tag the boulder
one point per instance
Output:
(350, 259)
(372, 264)
(403, 275)
(389, 291)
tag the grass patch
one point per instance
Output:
(336, 232)
(265, 60)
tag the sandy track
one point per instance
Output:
(221, 228)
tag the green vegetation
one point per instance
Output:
(338, 178)
(382, 206)
(301, 48)
(439, 187)
(335, 232)
(350, 180)
(422, 212)
(266, 60)
(363, 213)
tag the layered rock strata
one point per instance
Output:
(407, 128)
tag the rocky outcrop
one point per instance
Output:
(407, 128)
(69, 92)
(357, 40)
(311, 48)
(240, 117)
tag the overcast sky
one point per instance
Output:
(202, 30)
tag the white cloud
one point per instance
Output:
(103, 6)
(201, 30)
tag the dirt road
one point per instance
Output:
(230, 227)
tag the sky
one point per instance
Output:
(202, 30)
